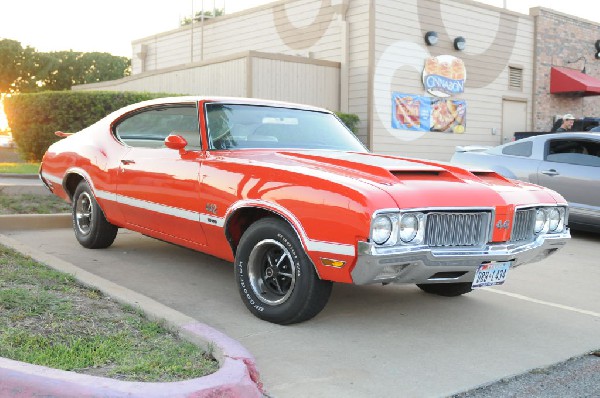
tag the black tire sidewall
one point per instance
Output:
(101, 233)
(305, 274)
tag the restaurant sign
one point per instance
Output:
(444, 76)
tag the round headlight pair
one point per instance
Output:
(548, 220)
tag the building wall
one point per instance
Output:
(286, 79)
(560, 41)
(495, 40)
(298, 27)
(358, 52)
(224, 77)
(249, 74)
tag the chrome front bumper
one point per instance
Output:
(422, 264)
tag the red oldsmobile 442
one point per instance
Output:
(288, 194)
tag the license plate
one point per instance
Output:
(490, 274)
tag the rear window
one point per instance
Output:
(522, 149)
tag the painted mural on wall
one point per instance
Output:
(419, 113)
(408, 55)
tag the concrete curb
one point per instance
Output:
(23, 189)
(236, 377)
(35, 221)
(20, 176)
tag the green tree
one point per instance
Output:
(63, 69)
(26, 70)
(207, 14)
(12, 58)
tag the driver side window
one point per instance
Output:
(149, 127)
(219, 126)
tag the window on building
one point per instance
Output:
(515, 78)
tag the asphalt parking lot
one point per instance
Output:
(370, 340)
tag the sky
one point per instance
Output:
(111, 25)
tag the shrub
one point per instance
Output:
(350, 120)
(34, 118)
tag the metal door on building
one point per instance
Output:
(514, 118)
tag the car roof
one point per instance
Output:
(228, 100)
(581, 134)
(544, 137)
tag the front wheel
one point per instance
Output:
(276, 280)
(446, 289)
(92, 230)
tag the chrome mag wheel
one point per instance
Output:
(84, 213)
(271, 272)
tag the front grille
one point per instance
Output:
(448, 229)
(523, 225)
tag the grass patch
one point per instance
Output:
(47, 318)
(33, 204)
(19, 168)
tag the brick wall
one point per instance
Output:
(560, 38)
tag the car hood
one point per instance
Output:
(412, 183)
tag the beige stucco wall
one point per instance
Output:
(495, 40)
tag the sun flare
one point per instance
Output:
(3, 119)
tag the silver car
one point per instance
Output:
(568, 163)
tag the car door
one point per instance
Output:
(572, 167)
(157, 187)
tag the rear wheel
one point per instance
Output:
(92, 230)
(276, 280)
(446, 289)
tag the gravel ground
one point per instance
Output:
(576, 378)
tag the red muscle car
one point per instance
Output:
(288, 194)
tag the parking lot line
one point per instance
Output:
(546, 303)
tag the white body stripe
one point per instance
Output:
(210, 219)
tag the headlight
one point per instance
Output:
(409, 227)
(540, 220)
(553, 219)
(557, 219)
(382, 229)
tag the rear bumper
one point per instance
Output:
(426, 265)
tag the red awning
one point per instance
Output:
(566, 80)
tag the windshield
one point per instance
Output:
(252, 126)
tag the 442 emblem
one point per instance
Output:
(503, 224)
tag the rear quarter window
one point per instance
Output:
(523, 149)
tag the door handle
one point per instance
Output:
(550, 172)
(127, 161)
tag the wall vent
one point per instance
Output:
(515, 78)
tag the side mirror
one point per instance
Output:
(174, 141)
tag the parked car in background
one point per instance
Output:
(580, 125)
(6, 141)
(568, 163)
(289, 194)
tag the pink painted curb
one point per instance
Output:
(236, 377)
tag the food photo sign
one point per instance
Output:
(443, 77)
